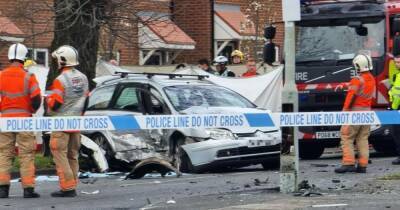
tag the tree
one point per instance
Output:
(83, 23)
(259, 13)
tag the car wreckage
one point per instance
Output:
(188, 150)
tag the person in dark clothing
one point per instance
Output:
(204, 64)
(223, 71)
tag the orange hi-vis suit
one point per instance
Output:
(359, 98)
(69, 92)
(18, 89)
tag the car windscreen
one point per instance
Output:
(328, 41)
(183, 97)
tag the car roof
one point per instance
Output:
(156, 80)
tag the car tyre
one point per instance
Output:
(181, 159)
(310, 151)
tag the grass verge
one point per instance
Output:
(41, 163)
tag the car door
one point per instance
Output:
(155, 105)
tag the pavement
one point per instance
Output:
(247, 188)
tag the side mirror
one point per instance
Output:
(269, 53)
(269, 32)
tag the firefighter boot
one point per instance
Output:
(4, 189)
(29, 192)
(361, 169)
(68, 193)
(345, 169)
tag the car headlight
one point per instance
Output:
(216, 134)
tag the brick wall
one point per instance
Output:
(194, 17)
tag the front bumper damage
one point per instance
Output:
(232, 152)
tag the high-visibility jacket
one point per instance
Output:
(17, 88)
(69, 89)
(394, 93)
(361, 92)
(393, 70)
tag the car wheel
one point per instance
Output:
(181, 159)
(310, 151)
(101, 140)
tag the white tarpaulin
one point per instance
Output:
(264, 90)
(104, 68)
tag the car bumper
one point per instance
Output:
(230, 152)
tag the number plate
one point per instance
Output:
(259, 143)
(328, 135)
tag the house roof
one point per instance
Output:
(169, 32)
(7, 27)
(237, 21)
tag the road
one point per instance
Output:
(203, 191)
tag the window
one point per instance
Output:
(41, 56)
(129, 100)
(100, 98)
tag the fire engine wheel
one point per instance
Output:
(387, 148)
(310, 151)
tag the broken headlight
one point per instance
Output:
(217, 134)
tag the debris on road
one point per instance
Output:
(335, 181)
(89, 181)
(329, 205)
(257, 182)
(171, 202)
(152, 165)
(307, 190)
(91, 193)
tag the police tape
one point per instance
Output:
(144, 122)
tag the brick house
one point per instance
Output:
(186, 31)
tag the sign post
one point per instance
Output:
(290, 161)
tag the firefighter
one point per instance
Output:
(68, 95)
(394, 96)
(222, 70)
(20, 97)
(237, 57)
(359, 98)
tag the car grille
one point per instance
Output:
(247, 150)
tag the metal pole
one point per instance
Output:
(290, 161)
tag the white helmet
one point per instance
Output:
(363, 63)
(66, 56)
(17, 52)
(221, 60)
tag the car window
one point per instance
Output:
(186, 96)
(100, 98)
(128, 100)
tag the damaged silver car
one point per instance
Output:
(190, 150)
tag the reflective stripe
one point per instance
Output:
(34, 88)
(13, 95)
(58, 92)
(13, 111)
(25, 91)
(360, 108)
